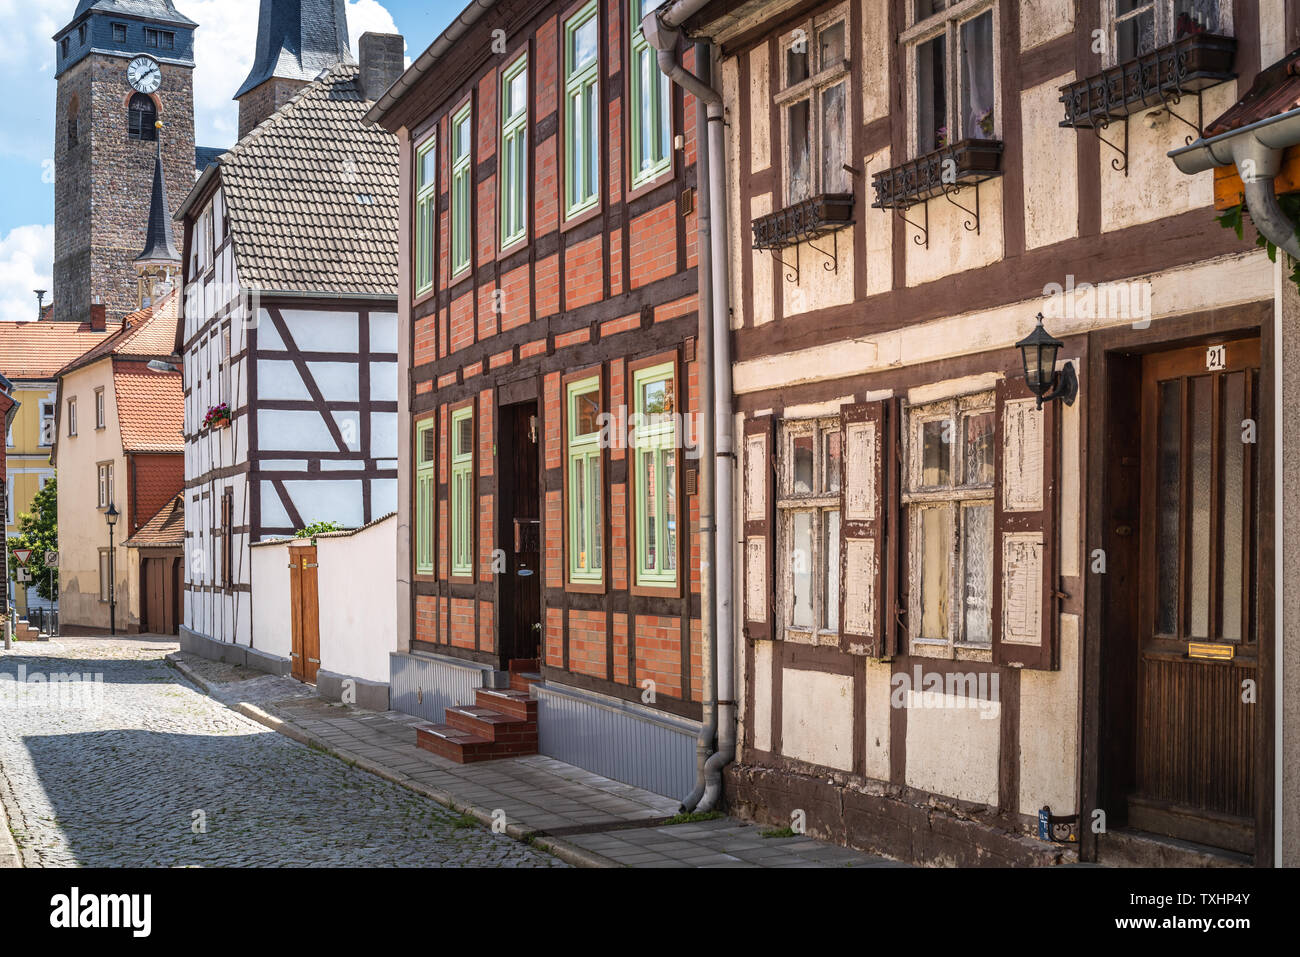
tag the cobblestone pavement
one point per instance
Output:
(119, 776)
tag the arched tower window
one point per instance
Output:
(142, 116)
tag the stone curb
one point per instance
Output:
(9, 856)
(569, 853)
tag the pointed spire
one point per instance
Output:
(159, 246)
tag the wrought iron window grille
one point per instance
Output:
(1161, 78)
(944, 172)
(803, 222)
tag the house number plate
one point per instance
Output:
(1216, 358)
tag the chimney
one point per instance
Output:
(98, 317)
(383, 60)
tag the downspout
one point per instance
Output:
(1257, 151)
(708, 528)
(661, 31)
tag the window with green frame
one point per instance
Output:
(425, 497)
(462, 492)
(585, 493)
(514, 151)
(461, 133)
(581, 110)
(655, 474)
(651, 104)
(426, 211)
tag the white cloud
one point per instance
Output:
(26, 257)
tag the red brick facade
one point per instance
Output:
(613, 285)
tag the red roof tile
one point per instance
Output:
(150, 408)
(148, 334)
(39, 349)
(167, 528)
(1275, 91)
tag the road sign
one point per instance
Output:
(51, 559)
(24, 576)
(23, 555)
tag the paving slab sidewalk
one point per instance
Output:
(581, 817)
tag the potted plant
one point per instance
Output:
(218, 417)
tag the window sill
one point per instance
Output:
(1187, 65)
(581, 215)
(968, 162)
(584, 588)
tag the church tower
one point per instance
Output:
(159, 265)
(297, 40)
(123, 66)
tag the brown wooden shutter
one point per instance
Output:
(758, 465)
(866, 464)
(1025, 607)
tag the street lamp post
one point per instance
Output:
(111, 517)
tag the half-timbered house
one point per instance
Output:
(548, 303)
(289, 337)
(999, 632)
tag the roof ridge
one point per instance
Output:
(289, 107)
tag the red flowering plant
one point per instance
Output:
(218, 417)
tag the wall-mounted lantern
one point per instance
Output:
(1039, 350)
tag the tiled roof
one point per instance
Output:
(164, 529)
(150, 408)
(149, 334)
(39, 349)
(312, 195)
(1275, 91)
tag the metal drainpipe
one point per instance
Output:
(1257, 151)
(664, 37)
(708, 528)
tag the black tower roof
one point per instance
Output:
(163, 11)
(159, 245)
(298, 40)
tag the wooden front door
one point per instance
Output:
(520, 587)
(1198, 649)
(305, 611)
(160, 595)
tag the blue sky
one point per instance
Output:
(224, 56)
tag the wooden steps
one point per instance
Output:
(500, 724)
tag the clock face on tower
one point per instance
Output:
(144, 74)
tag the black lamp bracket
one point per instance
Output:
(1065, 386)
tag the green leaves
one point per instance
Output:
(39, 531)
(1234, 218)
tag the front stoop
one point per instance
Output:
(501, 724)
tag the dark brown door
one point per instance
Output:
(160, 594)
(305, 613)
(1198, 649)
(520, 586)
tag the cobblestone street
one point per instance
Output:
(119, 777)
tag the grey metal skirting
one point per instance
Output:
(623, 741)
(426, 685)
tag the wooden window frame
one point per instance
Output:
(137, 128)
(513, 127)
(100, 416)
(812, 88)
(587, 80)
(72, 419)
(590, 449)
(1164, 25)
(425, 472)
(465, 464)
(915, 499)
(462, 176)
(820, 502)
(637, 100)
(227, 538)
(119, 33)
(648, 369)
(104, 484)
(426, 213)
(948, 23)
